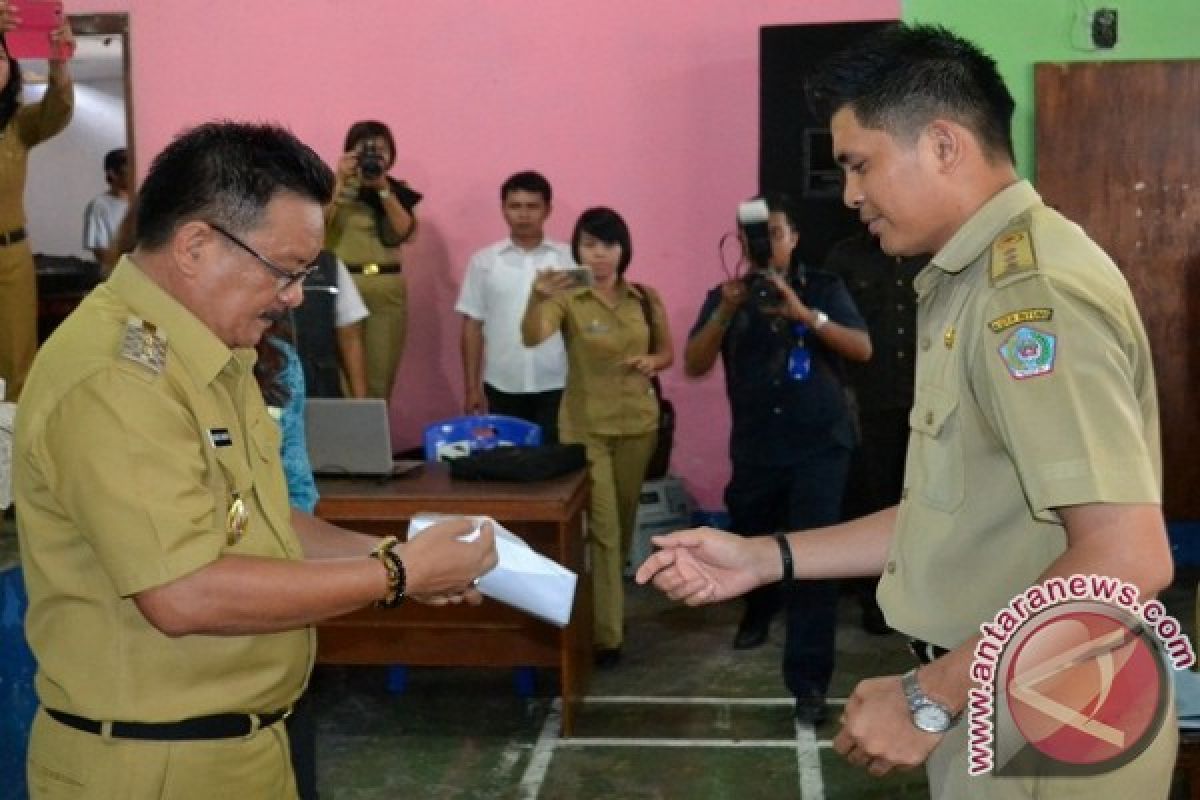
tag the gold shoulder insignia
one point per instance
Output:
(144, 344)
(1012, 254)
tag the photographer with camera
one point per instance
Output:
(371, 215)
(781, 331)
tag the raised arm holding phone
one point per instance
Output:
(21, 128)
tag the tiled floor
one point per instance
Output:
(683, 716)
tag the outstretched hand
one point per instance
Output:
(705, 565)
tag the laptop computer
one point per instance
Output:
(349, 437)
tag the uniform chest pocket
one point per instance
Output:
(936, 456)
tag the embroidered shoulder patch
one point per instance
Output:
(1006, 321)
(1012, 254)
(1028, 353)
(144, 344)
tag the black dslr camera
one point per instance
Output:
(752, 220)
(370, 161)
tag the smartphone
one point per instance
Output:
(581, 277)
(31, 39)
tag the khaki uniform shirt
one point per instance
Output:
(137, 430)
(30, 125)
(1034, 390)
(602, 395)
(353, 233)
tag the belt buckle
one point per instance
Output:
(370, 269)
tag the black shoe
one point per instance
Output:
(751, 633)
(873, 621)
(812, 709)
(608, 657)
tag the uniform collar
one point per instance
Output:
(977, 233)
(187, 336)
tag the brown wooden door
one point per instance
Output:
(1118, 151)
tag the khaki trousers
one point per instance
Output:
(1147, 777)
(386, 297)
(616, 466)
(18, 316)
(66, 763)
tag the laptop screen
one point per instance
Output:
(348, 436)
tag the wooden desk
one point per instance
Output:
(548, 515)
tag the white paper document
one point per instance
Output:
(522, 578)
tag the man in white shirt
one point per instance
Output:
(500, 374)
(104, 213)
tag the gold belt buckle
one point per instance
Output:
(370, 269)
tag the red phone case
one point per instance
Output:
(39, 18)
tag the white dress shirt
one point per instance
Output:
(495, 290)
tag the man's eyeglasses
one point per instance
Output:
(284, 279)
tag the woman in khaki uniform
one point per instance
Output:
(371, 215)
(22, 127)
(608, 404)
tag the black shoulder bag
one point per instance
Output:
(660, 461)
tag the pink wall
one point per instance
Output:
(650, 107)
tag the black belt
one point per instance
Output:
(12, 237)
(374, 269)
(926, 652)
(215, 726)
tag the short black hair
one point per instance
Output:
(226, 172)
(902, 77)
(607, 226)
(528, 181)
(115, 160)
(778, 202)
(369, 129)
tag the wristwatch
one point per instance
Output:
(819, 320)
(927, 714)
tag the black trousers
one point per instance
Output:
(765, 499)
(537, 407)
(302, 736)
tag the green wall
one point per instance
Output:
(1020, 33)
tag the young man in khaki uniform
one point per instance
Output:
(171, 590)
(1034, 450)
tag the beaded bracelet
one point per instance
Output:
(385, 553)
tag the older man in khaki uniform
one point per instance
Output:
(171, 589)
(1034, 451)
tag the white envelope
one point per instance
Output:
(522, 578)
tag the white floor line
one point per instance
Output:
(747, 744)
(808, 761)
(701, 701)
(543, 751)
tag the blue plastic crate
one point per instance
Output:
(462, 436)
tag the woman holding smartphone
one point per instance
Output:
(617, 339)
(22, 127)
